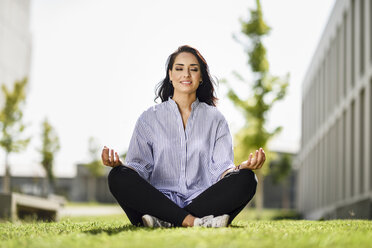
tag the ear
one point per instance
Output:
(170, 74)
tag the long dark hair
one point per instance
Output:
(205, 92)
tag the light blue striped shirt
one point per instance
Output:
(181, 163)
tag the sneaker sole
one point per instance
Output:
(225, 220)
(147, 221)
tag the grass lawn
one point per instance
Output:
(116, 231)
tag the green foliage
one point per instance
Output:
(257, 58)
(12, 126)
(115, 231)
(281, 168)
(255, 29)
(11, 115)
(50, 145)
(264, 91)
(256, 26)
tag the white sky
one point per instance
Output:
(95, 64)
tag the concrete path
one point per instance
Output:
(90, 210)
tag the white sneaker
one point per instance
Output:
(201, 221)
(210, 221)
(151, 221)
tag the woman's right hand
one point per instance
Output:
(256, 162)
(112, 160)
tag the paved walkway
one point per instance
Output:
(90, 210)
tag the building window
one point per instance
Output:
(361, 52)
(318, 102)
(333, 75)
(370, 130)
(318, 176)
(321, 87)
(328, 83)
(345, 55)
(322, 172)
(370, 30)
(361, 144)
(325, 85)
(333, 173)
(303, 124)
(343, 161)
(339, 168)
(352, 42)
(337, 71)
(352, 156)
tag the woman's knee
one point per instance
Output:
(117, 176)
(248, 179)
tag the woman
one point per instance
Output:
(179, 168)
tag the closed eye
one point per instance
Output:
(192, 69)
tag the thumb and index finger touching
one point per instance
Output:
(112, 160)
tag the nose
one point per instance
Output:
(186, 73)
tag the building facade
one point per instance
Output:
(82, 188)
(335, 162)
(15, 40)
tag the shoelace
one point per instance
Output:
(161, 223)
(211, 221)
(205, 221)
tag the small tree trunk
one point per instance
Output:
(45, 187)
(51, 185)
(285, 196)
(6, 182)
(259, 194)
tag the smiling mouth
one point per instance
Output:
(185, 82)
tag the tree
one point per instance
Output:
(12, 126)
(280, 170)
(94, 167)
(265, 91)
(50, 145)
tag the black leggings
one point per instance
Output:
(137, 197)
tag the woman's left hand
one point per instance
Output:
(112, 160)
(256, 162)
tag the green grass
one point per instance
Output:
(115, 231)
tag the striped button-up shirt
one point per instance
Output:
(181, 162)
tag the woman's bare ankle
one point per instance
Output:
(188, 221)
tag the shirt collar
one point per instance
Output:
(174, 104)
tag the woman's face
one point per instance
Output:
(185, 74)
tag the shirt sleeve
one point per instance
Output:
(223, 154)
(140, 153)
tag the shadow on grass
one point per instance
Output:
(236, 226)
(116, 230)
(287, 218)
(113, 230)
(129, 227)
(269, 214)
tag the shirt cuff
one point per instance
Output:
(231, 166)
(139, 168)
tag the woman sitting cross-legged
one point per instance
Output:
(179, 168)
